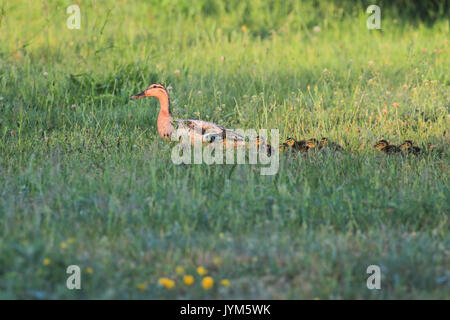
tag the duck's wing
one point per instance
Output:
(200, 125)
(199, 129)
(208, 132)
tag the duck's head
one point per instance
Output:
(381, 144)
(156, 90)
(407, 144)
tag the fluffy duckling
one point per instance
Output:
(312, 144)
(408, 147)
(324, 142)
(300, 146)
(287, 145)
(292, 144)
(385, 147)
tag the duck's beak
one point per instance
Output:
(140, 95)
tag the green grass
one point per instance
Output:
(102, 182)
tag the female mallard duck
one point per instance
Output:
(385, 147)
(207, 132)
(408, 147)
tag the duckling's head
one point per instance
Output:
(290, 141)
(156, 90)
(407, 144)
(312, 143)
(381, 144)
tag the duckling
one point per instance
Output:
(300, 145)
(312, 144)
(287, 145)
(292, 144)
(385, 147)
(324, 142)
(408, 147)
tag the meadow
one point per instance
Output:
(86, 180)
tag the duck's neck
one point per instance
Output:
(164, 122)
(165, 105)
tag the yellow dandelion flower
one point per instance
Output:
(179, 270)
(166, 283)
(89, 270)
(47, 261)
(201, 271)
(207, 283)
(244, 28)
(216, 260)
(63, 245)
(225, 282)
(170, 284)
(142, 286)
(188, 280)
